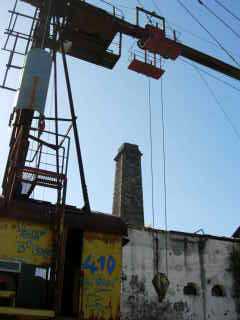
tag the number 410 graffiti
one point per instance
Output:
(100, 264)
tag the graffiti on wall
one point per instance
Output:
(26, 242)
(101, 269)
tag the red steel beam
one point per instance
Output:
(210, 62)
(186, 51)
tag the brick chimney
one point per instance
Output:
(128, 192)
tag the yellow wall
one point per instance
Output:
(26, 242)
(101, 265)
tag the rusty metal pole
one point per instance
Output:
(76, 136)
(75, 129)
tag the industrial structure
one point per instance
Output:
(60, 261)
(171, 274)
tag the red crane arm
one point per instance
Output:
(187, 52)
(210, 62)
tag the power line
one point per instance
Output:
(211, 91)
(228, 10)
(209, 33)
(180, 27)
(219, 18)
(184, 30)
(211, 75)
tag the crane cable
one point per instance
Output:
(164, 166)
(219, 18)
(151, 150)
(209, 33)
(228, 10)
(164, 174)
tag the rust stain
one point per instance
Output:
(33, 92)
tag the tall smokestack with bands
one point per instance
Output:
(128, 191)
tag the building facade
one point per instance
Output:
(171, 275)
(199, 269)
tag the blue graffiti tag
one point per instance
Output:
(111, 264)
(101, 265)
(89, 265)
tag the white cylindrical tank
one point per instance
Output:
(32, 93)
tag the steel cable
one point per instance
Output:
(164, 173)
(214, 96)
(209, 33)
(151, 151)
(219, 18)
(180, 29)
(211, 75)
(228, 10)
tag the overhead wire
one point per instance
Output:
(181, 29)
(178, 28)
(209, 33)
(163, 120)
(219, 18)
(210, 75)
(184, 30)
(155, 4)
(214, 96)
(227, 10)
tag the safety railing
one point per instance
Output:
(107, 6)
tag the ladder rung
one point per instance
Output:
(13, 66)
(16, 52)
(8, 88)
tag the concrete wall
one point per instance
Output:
(202, 260)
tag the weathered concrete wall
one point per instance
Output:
(202, 260)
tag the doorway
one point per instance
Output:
(71, 283)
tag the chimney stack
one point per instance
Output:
(128, 191)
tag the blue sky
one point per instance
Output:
(203, 151)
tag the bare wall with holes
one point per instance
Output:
(199, 270)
